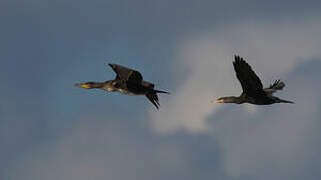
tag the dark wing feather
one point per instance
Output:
(126, 74)
(153, 98)
(251, 83)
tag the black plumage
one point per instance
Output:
(253, 91)
(127, 81)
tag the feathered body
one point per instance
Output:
(127, 81)
(253, 91)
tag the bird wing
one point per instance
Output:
(153, 98)
(124, 73)
(251, 83)
(277, 85)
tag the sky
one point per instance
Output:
(52, 130)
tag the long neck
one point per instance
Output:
(96, 84)
(233, 99)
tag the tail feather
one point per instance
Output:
(285, 101)
(158, 91)
(153, 98)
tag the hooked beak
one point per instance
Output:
(85, 86)
(219, 101)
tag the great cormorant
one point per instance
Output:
(253, 91)
(127, 81)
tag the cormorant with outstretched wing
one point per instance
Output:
(127, 81)
(253, 91)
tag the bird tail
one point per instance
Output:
(164, 92)
(285, 101)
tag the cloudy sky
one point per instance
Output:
(51, 130)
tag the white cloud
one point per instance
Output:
(269, 142)
(272, 49)
(250, 146)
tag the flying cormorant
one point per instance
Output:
(127, 81)
(253, 91)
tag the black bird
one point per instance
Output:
(253, 91)
(127, 81)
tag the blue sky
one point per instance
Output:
(52, 130)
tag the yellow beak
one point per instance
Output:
(86, 86)
(219, 101)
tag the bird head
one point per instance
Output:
(87, 85)
(230, 99)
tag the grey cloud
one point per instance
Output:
(272, 49)
(278, 142)
(120, 148)
(48, 45)
(239, 146)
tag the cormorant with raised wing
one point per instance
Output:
(253, 91)
(127, 81)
